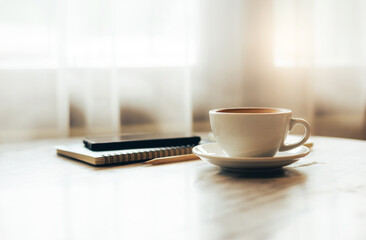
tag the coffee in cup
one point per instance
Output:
(254, 132)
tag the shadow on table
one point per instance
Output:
(224, 184)
(278, 173)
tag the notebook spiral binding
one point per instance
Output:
(147, 154)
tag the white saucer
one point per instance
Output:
(213, 154)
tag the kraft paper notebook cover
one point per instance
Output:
(79, 152)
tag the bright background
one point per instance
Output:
(85, 67)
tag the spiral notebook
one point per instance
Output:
(81, 153)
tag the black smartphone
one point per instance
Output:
(134, 141)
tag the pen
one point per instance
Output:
(171, 159)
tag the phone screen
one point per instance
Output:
(136, 137)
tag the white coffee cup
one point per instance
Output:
(254, 132)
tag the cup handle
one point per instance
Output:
(293, 122)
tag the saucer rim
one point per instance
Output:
(305, 151)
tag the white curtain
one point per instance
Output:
(71, 68)
(95, 67)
